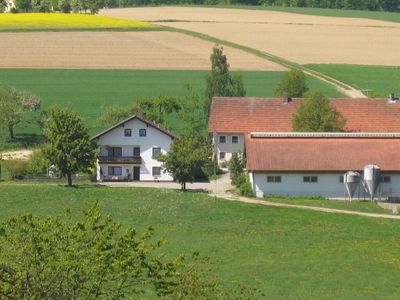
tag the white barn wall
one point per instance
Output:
(153, 138)
(328, 185)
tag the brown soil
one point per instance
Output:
(300, 38)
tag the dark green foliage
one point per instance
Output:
(292, 84)
(68, 145)
(23, 5)
(220, 82)
(245, 188)
(315, 113)
(37, 164)
(189, 153)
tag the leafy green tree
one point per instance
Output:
(188, 154)
(64, 6)
(68, 146)
(315, 113)
(23, 5)
(220, 82)
(13, 105)
(155, 110)
(236, 167)
(292, 84)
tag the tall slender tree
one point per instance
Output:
(220, 82)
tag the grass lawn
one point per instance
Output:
(355, 205)
(62, 22)
(287, 253)
(90, 91)
(327, 12)
(380, 80)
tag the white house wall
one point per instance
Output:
(153, 138)
(228, 147)
(328, 185)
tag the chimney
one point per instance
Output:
(392, 98)
(286, 98)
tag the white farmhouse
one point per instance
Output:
(231, 118)
(129, 151)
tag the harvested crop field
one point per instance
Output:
(153, 50)
(300, 38)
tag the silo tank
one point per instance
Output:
(351, 181)
(372, 176)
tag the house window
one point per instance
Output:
(222, 139)
(115, 171)
(142, 132)
(341, 178)
(312, 179)
(386, 179)
(222, 155)
(115, 151)
(275, 179)
(156, 171)
(136, 151)
(156, 152)
(128, 132)
(235, 139)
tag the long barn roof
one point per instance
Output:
(245, 115)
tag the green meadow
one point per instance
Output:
(378, 80)
(90, 91)
(286, 253)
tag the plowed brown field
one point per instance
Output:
(299, 38)
(117, 50)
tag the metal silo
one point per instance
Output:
(372, 176)
(351, 181)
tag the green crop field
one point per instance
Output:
(287, 253)
(90, 91)
(379, 80)
(327, 12)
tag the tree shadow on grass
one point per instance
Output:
(24, 140)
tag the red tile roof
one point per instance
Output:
(321, 154)
(244, 115)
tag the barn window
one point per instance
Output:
(313, 179)
(142, 132)
(386, 179)
(222, 139)
(274, 179)
(128, 132)
(235, 139)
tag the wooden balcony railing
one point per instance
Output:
(120, 159)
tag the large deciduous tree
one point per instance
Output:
(315, 113)
(220, 82)
(13, 105)
(68, 146)
(292, 84)
(188, 154)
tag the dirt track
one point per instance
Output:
(299, 38)
(117, 50)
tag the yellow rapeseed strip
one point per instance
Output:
(37, 21)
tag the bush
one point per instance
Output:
(210, 168)
(37, 164)
(239, 180)
(16, 169)
(245, 188)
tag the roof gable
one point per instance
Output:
(138, 117)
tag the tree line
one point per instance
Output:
(65, 6)
(373, 5)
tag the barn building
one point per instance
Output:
(282, 162)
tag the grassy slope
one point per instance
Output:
(89, 91)
(288, 253)
(328, 12)
(381, 80)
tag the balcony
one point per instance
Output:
(121, 159)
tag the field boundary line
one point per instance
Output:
(339, 85)
(231, 197)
